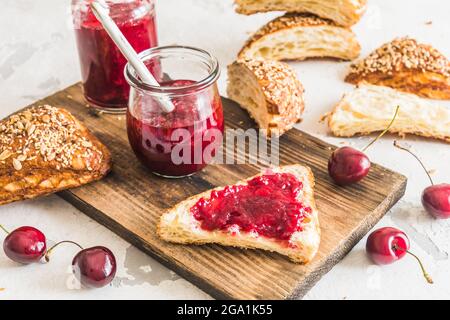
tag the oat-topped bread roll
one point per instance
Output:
(408, 66)
(371, 108)
(343, 12)
(299, 36)
(45, 150)
(270, 91)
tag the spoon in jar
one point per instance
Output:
(101, 12)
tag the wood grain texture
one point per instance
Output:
(131, 199)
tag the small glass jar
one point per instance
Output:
(102, 63)
(184, 141)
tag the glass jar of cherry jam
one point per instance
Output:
(102, 63)
(184, 141)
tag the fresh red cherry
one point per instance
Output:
(388, 245)
(348, 165)
(95, 267)
(436, 198)
(25, 245)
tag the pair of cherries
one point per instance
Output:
(93, 267)
(348, 166)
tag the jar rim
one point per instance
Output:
(211, 78)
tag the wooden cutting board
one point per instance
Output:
(130, 201)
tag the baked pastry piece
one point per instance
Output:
(270, 91)
(301, 36)
(408, 66)
(343, 12)
(371, 108)
(248, 215)
(45, 150)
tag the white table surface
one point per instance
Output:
(38, 57)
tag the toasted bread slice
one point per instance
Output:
(343, 12)
(179, 225)
(408, 66)
(45, 150)
(371, 108)
(299, 36)
(270, 91)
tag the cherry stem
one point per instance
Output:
(397, 145)
(425, 273)
(4, 229)
(49, 252)
(397, 111)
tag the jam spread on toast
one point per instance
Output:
(267, 205)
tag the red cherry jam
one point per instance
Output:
(178, 143)
(267, 205)
(102, 63)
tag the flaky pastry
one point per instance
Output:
(270, 91)
(45, 150)
(371, 108)
(302, 36)
(343, 12)
(408, 66)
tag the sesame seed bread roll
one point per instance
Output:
(344, 12)
(178, 225)
(371, 108)
(408, 66)
(301, 36)
(270, 91)
(44, 150)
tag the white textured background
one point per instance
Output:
(38, 57)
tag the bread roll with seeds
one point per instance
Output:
(178, 225)
(270, 91)
(344, 12)
(301, 36)
(408, 66)
(44, 150)
(371, 108)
